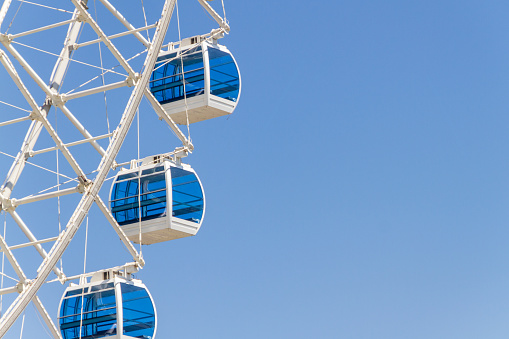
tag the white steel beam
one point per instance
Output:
(40, 197)
(40, 115)
(84, 141)
(63, 23)
(14, 263)
(136, 256)
(33, 239)
(47, 319)
(8, 290)
(82, 129)
(9, 67)
(35, 128)
(15, 247)
(15, 121)
(97, 90)
(163, 115)
(89, 20)
(124, 22)
(3, 10)
(114, 36)
(64, 59)
(7, 45)
(21, 302)
(23, 279)
(224, 25)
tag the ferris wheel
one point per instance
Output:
(72, 110)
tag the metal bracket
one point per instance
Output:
(58, 100)
(5, 38)
(34, 115)
(8, 204)
(21, 286)
(132, 80)
(84, 182)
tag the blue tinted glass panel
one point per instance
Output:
(102, 287)
(125, 205)
(187, 195)
(127, 176)
(96, 317)
(167, 81)
(224, 75)
(152, 170)
(138, 311)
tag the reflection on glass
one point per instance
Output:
(168, 79)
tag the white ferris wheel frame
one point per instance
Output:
(89, 189)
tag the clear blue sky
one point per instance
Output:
(359, 191)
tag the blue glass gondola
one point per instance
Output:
(203, 76)
(170, 204)
(116, 308)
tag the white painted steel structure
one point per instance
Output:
(28, 79)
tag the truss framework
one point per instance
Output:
(88, 188)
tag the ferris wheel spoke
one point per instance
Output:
(33, 133)
(96, 90)
(12, 260)
(26, 66)
(222, 22)
(17, 219)
(47, 319)
(130, 31)
(82, 129)
(104, 38)
(126, 23)
(40, 29)
(161, 112)
(4, 9)
(132, 250)
(14, 121)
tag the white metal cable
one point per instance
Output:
(167, 126)
(107, 71)
(22, 325)
(48, 170)
(102, 75)
(41, 322)
(183, 76)
(70, 59)
(52, 187)
(224, 12)
(3, 264)
(84, 271)
(58, 186)
(22, 109)
(139, 182)
(10, 24)
(56, 9)
(9, 277)
(145, 17)
(167, 61)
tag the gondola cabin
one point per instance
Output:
(201, 78)
(158, 201)
(117, 308)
